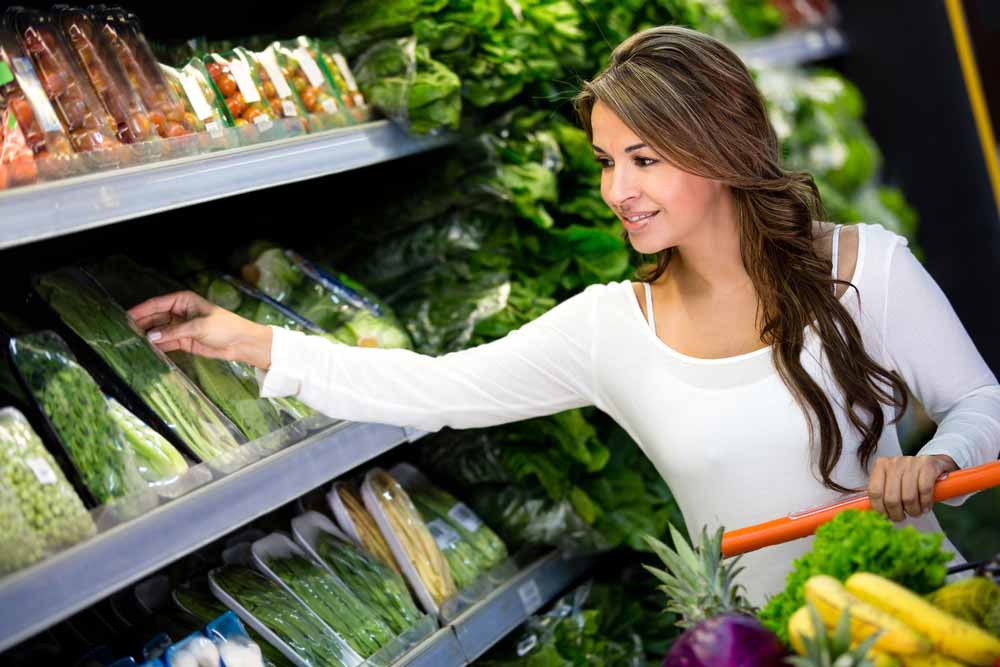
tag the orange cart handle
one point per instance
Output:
(803, 524)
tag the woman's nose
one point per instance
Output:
(622, 188)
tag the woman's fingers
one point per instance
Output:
(909, 486)
(926, 479)
(174, 333)
(183, 305)
(902, 486)
(876, 486)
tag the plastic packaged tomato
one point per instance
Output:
(124, 35)
(22, 95)
(90, 128)
(193, 87)
(320, 100)
(236, 82)
(340, 74)
(96, 58)
(17, 162)
(274, 83)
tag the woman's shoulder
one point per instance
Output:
(863, 250)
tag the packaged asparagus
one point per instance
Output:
(413, 545)
(358, 524)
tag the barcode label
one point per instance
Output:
(443, 534)
(214, 129)
(43, 471)
(270, 64)
(288, 108)
(309, 66)
(241, 72)
(263, 123)
(465, 517)
(329, 105)
(202, 109)
(531, 597)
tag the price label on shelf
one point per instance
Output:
(465, 517)
(43, 471)
(443, 534)
(531, 597)
(241, 72)
(309, 66)
(199, 104)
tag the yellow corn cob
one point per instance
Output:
(949, 635)
(830, 598)
(800, 626)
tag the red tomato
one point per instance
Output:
(275, 105)
(139, 126)
(237, 105)
(159, 121)
(23, 170)
(227, 84)
(23, 112)
(3, 177)
(240, 122)
(250, 114)
(176, 130)
(310, 98)
(269, 90)
(214, 70)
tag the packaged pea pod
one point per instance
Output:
(74, 407)
(40, 513)
(109, 335)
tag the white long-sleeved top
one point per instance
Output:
(726, 434)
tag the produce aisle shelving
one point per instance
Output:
(74, 205)
(48, 592)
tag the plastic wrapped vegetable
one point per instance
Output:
(236, 649)
(284, 615)
(358, 523)
(157, 460)
(423, 564)
(378, 586)
(333, 602)
(21, 92)
(343, 78)
(190, 85)
(75, 407)
(86, 309)
(299, 58)
(17, 162)
(96, 59)
(274, 84)
(91, 130)
(334, 303)
(437, 504)
(39, 511)
(236, 82)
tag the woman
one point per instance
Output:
(761, 364)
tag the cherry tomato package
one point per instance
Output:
(340, 74)
(236, 82)
(193, 87)
(96, 58)
(274, 83)
(129, 47)
(320, 100)
(17, 162)
(90, 128)
(21, 94)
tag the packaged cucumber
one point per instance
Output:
(103, 325)
(421, 559)
(39, 510)
(75, 408)
(323, 592)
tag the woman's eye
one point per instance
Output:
(644, 161)
(604, 162)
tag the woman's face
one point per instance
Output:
(658, 204)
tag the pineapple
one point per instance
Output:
(698, 584)
(817, 647)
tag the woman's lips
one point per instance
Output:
(636, 222)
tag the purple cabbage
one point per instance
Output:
(727, 640)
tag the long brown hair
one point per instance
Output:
(692, 99)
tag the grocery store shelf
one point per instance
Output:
(54, 589)
(481, 626)
(63, 207)
(793, 47)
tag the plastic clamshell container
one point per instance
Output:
(90, 128)
(192, 89)
(270, 637)
(96, 59)
(370, 498)
(274, 85)
(279, 545)
(342, 515)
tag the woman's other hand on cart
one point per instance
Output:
(902, 486)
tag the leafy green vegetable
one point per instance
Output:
(106, 327)
(76, 408)
(861, 542)
(39, 511)
(157, 459)
(380, 588)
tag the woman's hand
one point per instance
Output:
(904, 485)
(185, 321)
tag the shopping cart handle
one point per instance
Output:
(803, 524)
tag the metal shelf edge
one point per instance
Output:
(77, 204)
(52, 590)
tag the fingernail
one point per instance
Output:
(154, 336)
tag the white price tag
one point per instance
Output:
(241, 72)
(43, 471)
(44, 113)
(263, 123)
(214, 129)
(288, 109)
(345, 71)
(531, 597)
(270, 64)
(465, 517)
(443, 534)
(329, 105)
(202, 109)
(309, 66)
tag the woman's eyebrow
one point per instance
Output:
(634, 147)
(598, 149)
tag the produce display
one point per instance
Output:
(96, 59)
(190, 84)
(379, 587)
(285, 616)
(90, 128)
(422, 561)
(334, 603)
(156, 459)
(274, 84)
(343, 78)
(76, 408)
(106, 328)
(39, 510)
(362, 526)
(17, 162)
(237, 83)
